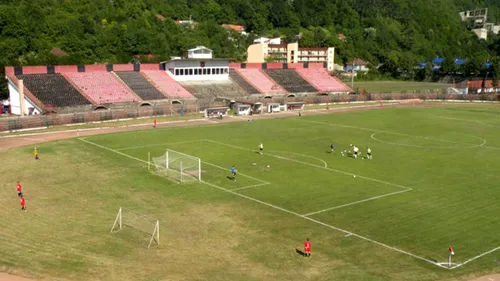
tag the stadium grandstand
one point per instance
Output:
(196, 78)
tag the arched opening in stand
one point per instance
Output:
(176, 102)
(100, 108)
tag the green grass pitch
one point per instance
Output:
(433, 182)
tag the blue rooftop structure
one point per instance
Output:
(438, 60)
(422, 64)
(460, 61)
(487, 65)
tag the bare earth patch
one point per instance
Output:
(493, 277)
(8, 277)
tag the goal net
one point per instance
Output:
(178, 166)
(140, 222)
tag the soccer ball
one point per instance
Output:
(268, 166)
(354, 176)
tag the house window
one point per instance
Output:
(190, 71)
(204, 71)
(177, 72)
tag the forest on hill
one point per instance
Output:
(394, 35)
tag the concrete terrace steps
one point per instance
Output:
(322, 80)
(261, 81)
(237, 78)
(137, 83)
(166, 84)
(102, 87)
(290, 80)
(53, 89)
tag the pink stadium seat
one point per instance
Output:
(322, 80)
(102, 87)
(167, 84)
(261, 81)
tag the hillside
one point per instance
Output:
(395, 33)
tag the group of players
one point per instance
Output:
(354, 153)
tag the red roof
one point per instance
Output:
(58, 52)
(235, 27)
(313, 49)
(341, 36)
(160, 17)
(358, 61)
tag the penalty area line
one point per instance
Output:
(250, 186)
(313, 165)
(357, 202)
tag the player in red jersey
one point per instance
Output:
(307, 248)
(154, 123)
(23, 203)
(19, 189)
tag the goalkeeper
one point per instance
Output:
(233, 173)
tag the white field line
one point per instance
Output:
(393, 133)
(303, 155)
(348, 233)
(158, 144)
(467, 120)
(421, 146)
(476, 257)
(250, 186)
(227, 169)
(313, 165)
(356, 202)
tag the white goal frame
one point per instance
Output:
(118, 225)
(180, 170)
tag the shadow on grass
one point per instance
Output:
(300, 252)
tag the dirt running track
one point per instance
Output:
(13, 141)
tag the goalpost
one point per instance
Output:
(176, 165)
(137, 221)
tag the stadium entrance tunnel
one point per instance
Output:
(291, 96)
(176, 102)
(144, 104)
(100, 107)
(268, 97)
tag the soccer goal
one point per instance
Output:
(176, 165)
(137, 221)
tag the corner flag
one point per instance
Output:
(451, 250)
